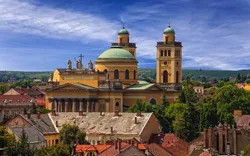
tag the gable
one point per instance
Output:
(18, 121)
(70, 86)
(11, 92)
(154, 87)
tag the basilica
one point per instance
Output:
(111, 83)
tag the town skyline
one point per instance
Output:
(42, 35)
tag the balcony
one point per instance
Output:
(169, 44)
(132, 45)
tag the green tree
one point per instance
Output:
(246, 151)
(165, 102)
(188, 95)
(5, 137)
(180, 126)
(20, 147)
(3, 88)
(220, 84)
(58, 150)
(69, 134)
(247, 81)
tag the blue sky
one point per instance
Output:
(41, 35)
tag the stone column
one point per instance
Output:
(81, 104)
(55, 105)
(96, 107)
(107, 105)
(87, 108)
(66, 106)
(92, 106)
(73, 105)
(121, 103)
(60, 105)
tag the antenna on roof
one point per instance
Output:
(123, 25)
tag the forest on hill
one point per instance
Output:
(144, 73)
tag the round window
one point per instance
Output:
(165, 63)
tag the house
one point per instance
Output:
(10, 105)
(103, 127)
(172, 144)
(40, 124)
(199, 89)
(35, 93)
(158, 150)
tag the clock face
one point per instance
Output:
(165, 63)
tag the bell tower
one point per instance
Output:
(124, 42)
(169, 59)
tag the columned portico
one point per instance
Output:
(74, 104)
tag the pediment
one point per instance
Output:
(70, 86)
(154, 88)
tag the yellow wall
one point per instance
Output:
(124, 37)
(174, 62)
(51, 139)
(121, 66)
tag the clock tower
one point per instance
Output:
(169, 59)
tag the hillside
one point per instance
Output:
(6, 76)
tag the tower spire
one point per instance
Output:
(169, 24)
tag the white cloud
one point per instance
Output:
(24, 17)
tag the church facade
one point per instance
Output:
(112, 83)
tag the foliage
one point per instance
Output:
(188, 95)
(69, 134)
(20, 147)
(158, 110)
(246, 151)
(3, 88)
(26, 84)
(5, 137)
(58, 150)
(41, 110)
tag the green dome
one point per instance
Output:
(116, 52)
(123, 31)
(169, 30)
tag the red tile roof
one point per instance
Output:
(171, 143)
(15, 98)
(157, 150)
(205, 154)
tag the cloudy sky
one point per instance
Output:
(41, 35)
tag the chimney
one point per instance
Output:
(28, 115)
(138, 113)
(38, 115)
(111, 130)
(116, 113)
(120, 145)
(80, 113)
(116, 144)
(136, 120)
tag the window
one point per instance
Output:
(165, 76)
(134, 74)
(165, 53)
(166, 39)
(177, 77)
(116, 74)
(178, 53)
(127, 74)
(152, 101)
(120, 40)
(177, 63)
(117, 104)
(53, 143)
(169, 53)
(105, 71)
(161, 52)
(165, 63)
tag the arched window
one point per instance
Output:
(161, 52)
(116, 74)
(127, 74)
(152, 101)
(165, 76)
(117, 104)
(165, 53)
(169, 53)
(134, 74)
(177, 77)
(166, 39)
(105, 71)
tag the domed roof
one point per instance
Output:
(123, 31)
(169, 30)
(115, 52)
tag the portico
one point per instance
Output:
(74, 104)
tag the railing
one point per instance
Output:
(173, 43)
(124, 44)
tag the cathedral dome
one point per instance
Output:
(116, 52)
(123, 31)
(169, 30)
